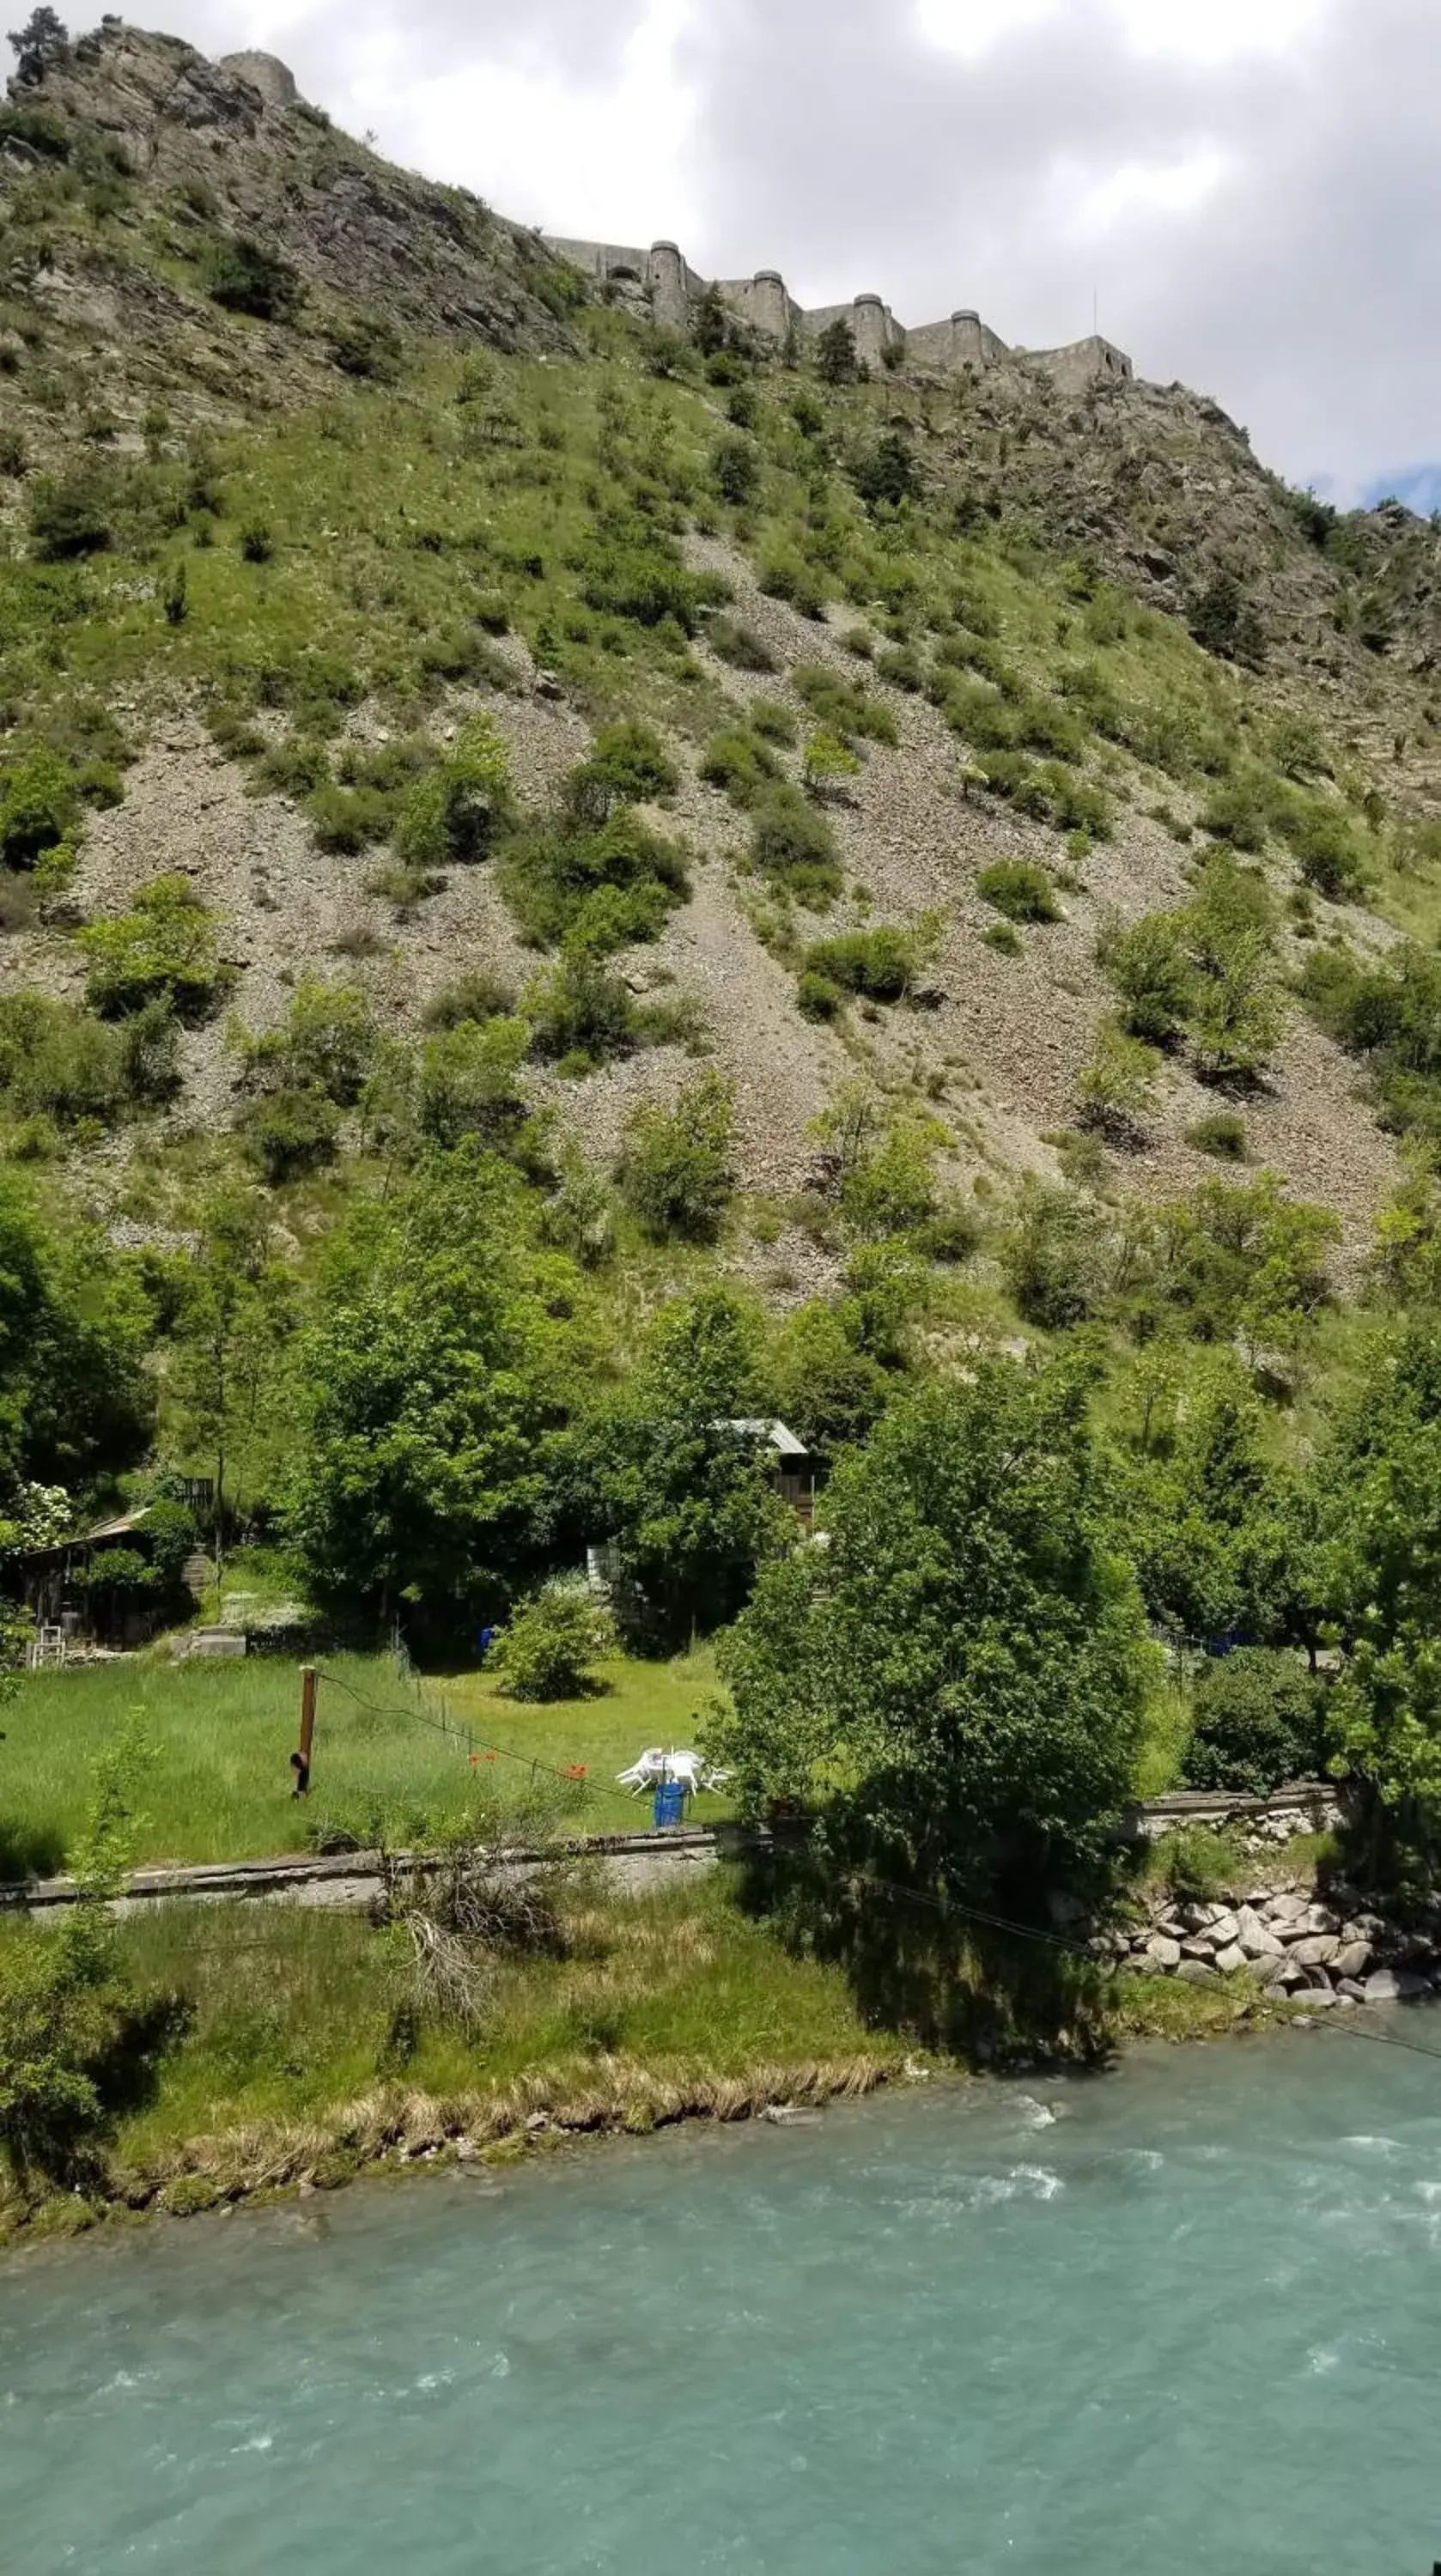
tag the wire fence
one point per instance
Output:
(430, 1710)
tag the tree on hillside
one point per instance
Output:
(1380, 1483)
(967, 1653)
(836, 360)
(41, 42)
(684, 1496)
(424, 1393)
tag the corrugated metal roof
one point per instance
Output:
(121, 1527)
(774, 1433)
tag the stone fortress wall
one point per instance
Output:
(662, 282)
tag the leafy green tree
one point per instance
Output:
(677, 1169)
(422, 1399)
(39, 805)
(1258, 1724)
(677, 1486)
(967, 1652)
(1151, 971)
(829, 1390)
(1117, 1089)
(67, 2018)
(828, 762)
(1236, 1011)
(164, 949)
(470, 1084)
(886, 473)
(1055, 1257)
(1380, 1479)
(75, 1399)
(226, 1376)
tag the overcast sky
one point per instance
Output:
(1251, 189)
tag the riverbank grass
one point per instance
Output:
(216, 1783)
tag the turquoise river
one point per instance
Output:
(1180, 2320)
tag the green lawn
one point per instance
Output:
(217, 1783)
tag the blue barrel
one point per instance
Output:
(669, 1808)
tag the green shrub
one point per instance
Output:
(637, 573)
(367, 344)
(257, 541)
(1003, 938)
(1150, 967)
(1116, 1090)
(163, 950)
(579, 1010)
(1226, 623)
(735, 470)
(454, 812)
(598, 890)
(772, 721)
(843, 706)
(739, 645)
(479, 995)
(39, 805)
(470, 1084)
(676, 1173)
(1237, 811)
(1328, 853)
(552, 1642)
(327, 1043)
(1020, 889)
(879, 963)
(629, 765)
(785, 574)
(245, 277)
(818, 997)
(73, 513)
(1258, 1724)
(290, 1132)
(297, 767)
(902, 666)
(347, 819)
(795, 845)
(1054, 1257)
(1223, 1136)
(740, 764)
(58, 1062)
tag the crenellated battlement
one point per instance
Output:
(661, 282)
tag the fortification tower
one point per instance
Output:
(770, 304)
(265, 72)
(669, 301)
(968, 348)
(869, 324)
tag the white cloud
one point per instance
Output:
(609, 161)
(1095, 208)
(1252, 187)
(1202, 31)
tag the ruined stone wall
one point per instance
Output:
(1084, 363)
(670, 288)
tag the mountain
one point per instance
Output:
(309, 462)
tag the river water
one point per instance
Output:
(1180, 2320)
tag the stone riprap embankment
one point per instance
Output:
(1324, 1952)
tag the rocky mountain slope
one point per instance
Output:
(363, 462)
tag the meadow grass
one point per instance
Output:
(216, 1784)
(287, 2015)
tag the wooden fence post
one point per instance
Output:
(300, 1762)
